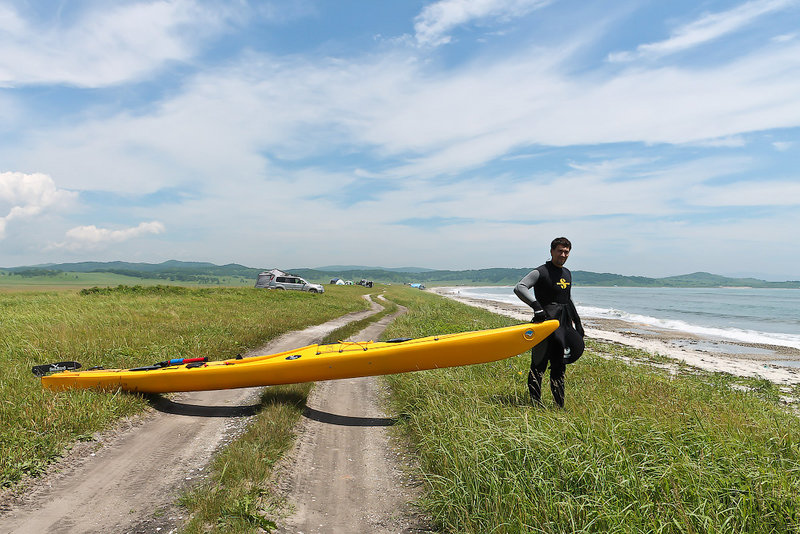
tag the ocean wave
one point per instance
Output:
(475, 293)
(506, 296)
(730, 334)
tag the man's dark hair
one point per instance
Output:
(560, 241)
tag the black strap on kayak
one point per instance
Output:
(50, 368)
(146, 368)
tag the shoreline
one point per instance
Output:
(777, 364)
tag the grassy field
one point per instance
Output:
(636, 450)
(74, 280)
(124, 327)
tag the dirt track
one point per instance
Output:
(128, 482)
(343, 475)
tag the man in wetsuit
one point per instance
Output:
(546, 289)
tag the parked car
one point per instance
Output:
(296, 283)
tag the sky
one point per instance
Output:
(661, 138)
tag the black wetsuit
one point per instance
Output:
(551, 299)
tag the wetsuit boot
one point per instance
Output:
(557, 389)
(557, 371)
(535, 386)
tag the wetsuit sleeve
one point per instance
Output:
(524, 292)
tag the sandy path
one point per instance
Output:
(343, 475)
(128, 484)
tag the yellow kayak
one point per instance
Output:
(315, 362)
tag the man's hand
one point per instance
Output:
(539, 316)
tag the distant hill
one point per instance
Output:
(172, 270)
(204, 272)
(699, 279)
(170, 265)
(508, 276)
(338, 268)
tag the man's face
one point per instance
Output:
(559, 255)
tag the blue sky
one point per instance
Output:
(662, 138)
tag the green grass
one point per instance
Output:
(72, 280)
(636, 450)
(125, 327)
(236, 498)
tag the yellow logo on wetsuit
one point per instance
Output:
(562, 284)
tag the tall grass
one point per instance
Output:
(125, 327)
(236, 498)
(636, 450)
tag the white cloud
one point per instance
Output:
(105, 46)
(784, 38)
(735, 141)
(613, 187)
(761, 193)
(437, 20)
(782, 146)
(478, 114)
(232, 122)
(27, 195)
(705, 29)
(612, 167)
(92, 237)
(11, 23)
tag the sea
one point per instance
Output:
(748, 315)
